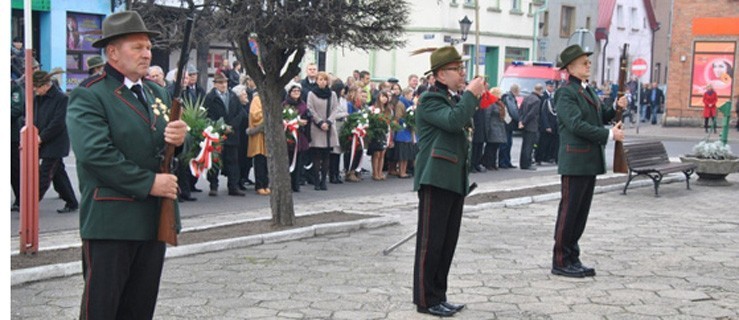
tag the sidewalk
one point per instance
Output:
(672, 257)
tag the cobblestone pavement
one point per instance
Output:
(672, 257)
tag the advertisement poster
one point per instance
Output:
(82, 31)
(713, 64)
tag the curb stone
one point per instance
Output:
(60, 270)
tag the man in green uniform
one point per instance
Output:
(118, 141)
(581, 157)
(441, 179)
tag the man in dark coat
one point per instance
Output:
(221, 103)
(50, 109)
(529, 124)
(656, 100)
(17, 112)
(118, 138)
(309, 83)
(581, 157)
(547, 148)
(511, 120)
(443, 118)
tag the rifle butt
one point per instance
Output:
(619, 159)
(167, 225)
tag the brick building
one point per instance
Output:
(703, 50)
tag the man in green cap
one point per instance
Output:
(583, 140)
(441, 178)
(118, 141)
(95, 65)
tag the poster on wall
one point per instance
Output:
(713, 64)
(82, 31)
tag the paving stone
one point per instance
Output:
(683, 294)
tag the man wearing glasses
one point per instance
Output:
(441, 177)
(581, 157)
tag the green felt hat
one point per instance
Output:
(121, 24)
(94, 62)
(443, 56)
(570, 54)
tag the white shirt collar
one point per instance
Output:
(128, 83)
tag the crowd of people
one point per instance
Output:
(323, 102)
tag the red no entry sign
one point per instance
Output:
(639, 67)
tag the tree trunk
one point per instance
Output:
(281, 200)
(201, 59)
(269, 87)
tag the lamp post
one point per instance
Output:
(321, 45)
(464, 28)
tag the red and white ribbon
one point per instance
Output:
(292, 127)
(204, 161)
(357, 134)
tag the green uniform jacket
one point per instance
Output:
(442, 159)
(118, 146)
(581, 133)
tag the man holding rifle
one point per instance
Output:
(118, 131)
(581, 157)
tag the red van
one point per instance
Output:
(527, 74)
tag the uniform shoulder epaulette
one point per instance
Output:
(92, 80)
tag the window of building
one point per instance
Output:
(634, 21)
(545, 22)
(516, 5)
(620, 17)
(567, 22)
(587, 23)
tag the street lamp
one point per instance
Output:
(584, 38)
(321, 45)
(464, 28)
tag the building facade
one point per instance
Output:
(559, 26)
(703, 50)
(505, 34)
(65, 47)
(621, 22)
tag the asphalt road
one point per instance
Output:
(50, 221)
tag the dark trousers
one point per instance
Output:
(334, 159)
(299, 170)
(439, 219)
(490, 155)
(527, 148)
(320, 163)
(261, 176)
(348, 157)
(230, 162)
(52, 170)
(245, 163)
(121, 278)
(577, 195)
(184, 179)
(476, 158)
(15, 170)
(504, 153)
(547, 148)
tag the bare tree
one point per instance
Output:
(170, 21)
(284, 29)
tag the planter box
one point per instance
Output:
(713, 172)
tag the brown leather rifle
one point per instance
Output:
(619, 158)
(167, 222)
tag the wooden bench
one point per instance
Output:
(650, 158)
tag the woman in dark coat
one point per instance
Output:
(302, 145)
